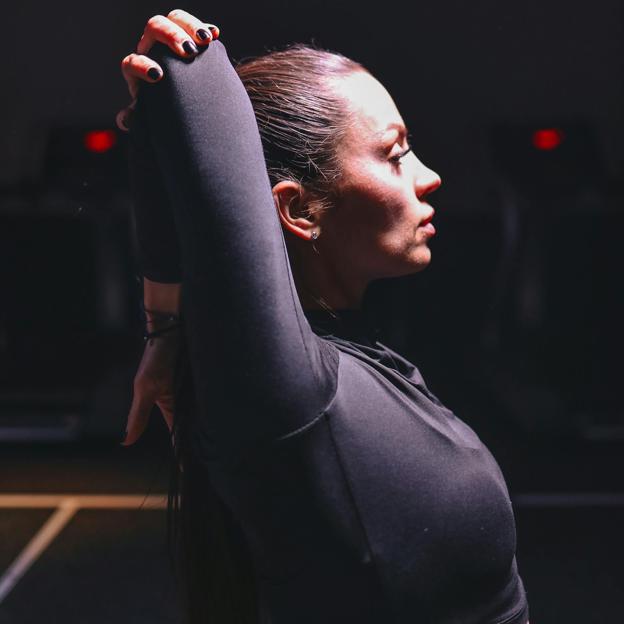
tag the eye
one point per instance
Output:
(397, 159)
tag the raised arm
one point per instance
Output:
(259, 370)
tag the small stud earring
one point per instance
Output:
(314, 235)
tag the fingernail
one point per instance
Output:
(215, 31)
(126, 120)
(154, 73)
(189, 47)
(123, 439)
(203, 34)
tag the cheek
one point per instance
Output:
(391, 219)
(369, 221)
(376, 221)
(377, 203)
(380, 235)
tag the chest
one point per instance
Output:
(428, 491)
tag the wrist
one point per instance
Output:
(168, 331)
(161, 301)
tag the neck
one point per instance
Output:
(322, 286)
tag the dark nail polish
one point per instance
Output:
(153, 73)
(189, 47)
(203, 34)
(215, 31)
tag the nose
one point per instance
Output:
(427, 181)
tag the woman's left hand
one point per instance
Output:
(180, 31)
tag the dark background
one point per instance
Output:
(516, 324)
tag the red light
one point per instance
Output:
(100, 141)
(547, 138)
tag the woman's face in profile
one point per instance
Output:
(378, 223)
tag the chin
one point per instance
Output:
(421, 259)
(420, 267)
(413, 266)
(414, 261)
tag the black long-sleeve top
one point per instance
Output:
(362, 498)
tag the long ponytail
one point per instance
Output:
(208, 552)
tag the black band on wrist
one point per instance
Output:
(160, 332)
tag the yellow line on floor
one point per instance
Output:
(42, 539)
(85, 501)
(66, 507)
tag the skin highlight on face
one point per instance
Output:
(380, 197)
(373, 228)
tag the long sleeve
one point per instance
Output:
(260, 372)
(158, 252)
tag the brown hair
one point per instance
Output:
(301, 120)
(300, 116)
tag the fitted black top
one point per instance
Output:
(362, 498)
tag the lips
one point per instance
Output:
(426, 227)
(428, 219)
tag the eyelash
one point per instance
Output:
(397, 159)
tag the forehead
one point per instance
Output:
(374, 114)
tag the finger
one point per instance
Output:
(168, 416)
(163, 30)
(123, 119)
(166, 408)
(136, 68)
(138, 417)
(214, 30)
(131, 80)
(201, 32)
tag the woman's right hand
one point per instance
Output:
(180, 31)
(154, 379)
(154, 385)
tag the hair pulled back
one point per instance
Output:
(300, 116)
(301, 119)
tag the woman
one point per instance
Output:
(343, 487)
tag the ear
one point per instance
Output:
(290, 202)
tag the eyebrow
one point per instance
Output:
(394, 126)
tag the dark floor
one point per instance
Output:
(110, 565)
